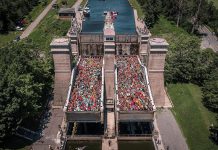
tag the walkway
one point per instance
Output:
(77, 4)
(209, 40)
(51, 135)
(140, 25)
(170, 131)
(32, 26)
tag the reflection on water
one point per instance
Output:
(122, 145)
(87, 145)
(124, 22)
(136, 145)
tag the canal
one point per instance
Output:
(124, 24)
(122, 145)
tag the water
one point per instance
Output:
(136, 145)
(90, 145)
(124, 24)
(122, 145)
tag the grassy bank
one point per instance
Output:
(136, 6)
(49, 28)
(215, 3)
(6, 38)
(193, 118)
(69, 3)
(83, 3)
(42, 35)
(167, 29)
(37, 10)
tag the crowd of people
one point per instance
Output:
(86, 92)
(132, 90)
(75, 27)
(142, 28)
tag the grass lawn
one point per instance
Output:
(37, 10)
(167, 29)
(6, 38)
(17, 143)
(49, 28)
(136, 6)
(83, 3)
(193, 118)
(69, 3)
(215, 3)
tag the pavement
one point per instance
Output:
(170, 132)
(209, 40)
(51, 133)
(77, 4)
(32, 26)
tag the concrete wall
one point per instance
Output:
(83, 116)
(139, 116)
(156, 77)
(62, 65)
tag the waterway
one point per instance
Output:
(136, 145)
(122, 145)
(124, 24)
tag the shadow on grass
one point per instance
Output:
(15, 142)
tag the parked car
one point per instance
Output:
(19, 28)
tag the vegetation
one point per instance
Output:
(65, 3)
(11, 18)
(26, 74)
(24, 86)
(186, 13)
(187, 63)
(49, 27)
(83, 3)
(8, 36)
(193, 118)
(215, 3)
(138, 8)
(33, 14)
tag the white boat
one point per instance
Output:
(105, 12)
(86, 8)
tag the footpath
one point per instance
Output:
(33, 25)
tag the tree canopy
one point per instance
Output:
(25, 82)
(187, 13)
(13, 11)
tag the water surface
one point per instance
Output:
(124, 24)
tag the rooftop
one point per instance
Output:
(158, 41)
(60, 42)
(66, 10)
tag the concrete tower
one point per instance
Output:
(157, 53)
(61, 51)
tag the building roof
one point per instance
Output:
(158, 41)
(60, 41)
(66, 10)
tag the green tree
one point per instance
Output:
(25, 81)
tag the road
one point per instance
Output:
(209, 40)
(171, 134)
(32, 26)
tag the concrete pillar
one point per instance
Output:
(157, 54)
(61, 51)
